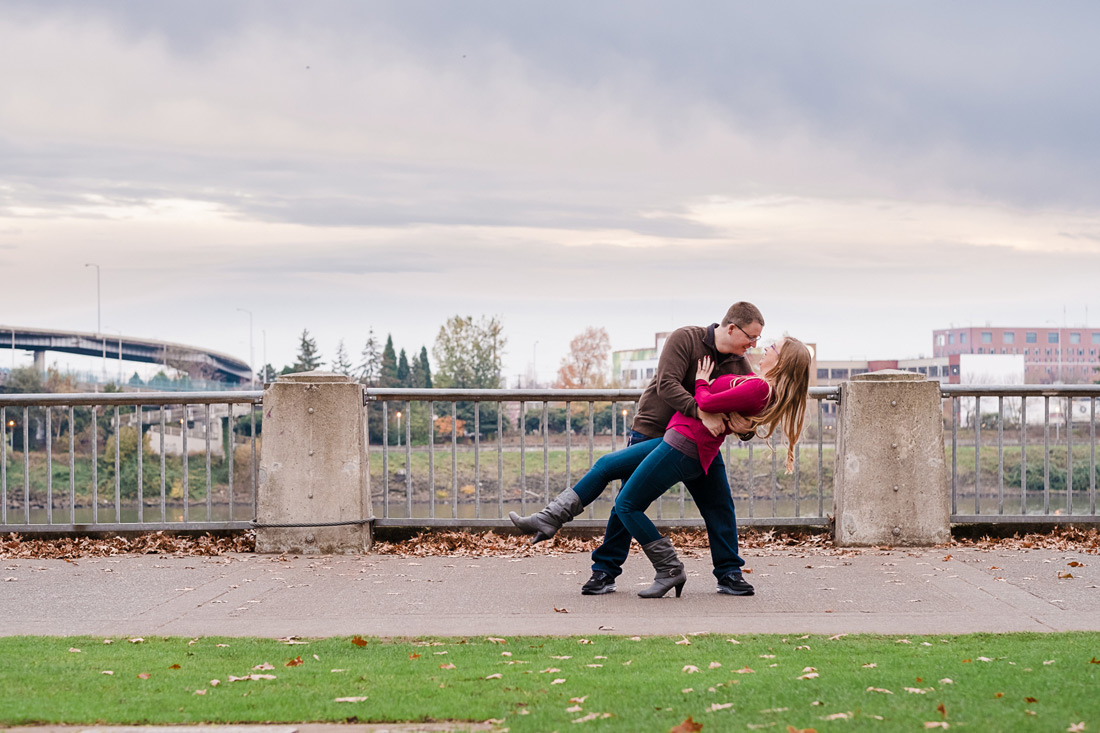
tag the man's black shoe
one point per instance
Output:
(734, 584)
(598, 584)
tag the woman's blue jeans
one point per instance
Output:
(618, 465)
(660, 467)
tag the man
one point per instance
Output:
(672, 390)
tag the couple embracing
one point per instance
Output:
(703, 391)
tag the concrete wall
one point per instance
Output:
(313, 468)
(891, 479)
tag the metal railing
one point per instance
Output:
(1004, 464)
(117, 489)
(441, 458)
(453, 457)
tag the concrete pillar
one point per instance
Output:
(40, 362)
(891, 482)
(313, 466)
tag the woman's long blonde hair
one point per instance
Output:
(790, 384)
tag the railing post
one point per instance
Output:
(891, 473)
(313, 467)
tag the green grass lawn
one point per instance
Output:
(981, 682)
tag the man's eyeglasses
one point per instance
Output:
(752, 339)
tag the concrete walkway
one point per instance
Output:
(892, 592)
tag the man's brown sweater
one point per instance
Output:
(673, 386)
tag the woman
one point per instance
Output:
(688, 450)
(620, 464)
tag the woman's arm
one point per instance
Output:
(746, 398)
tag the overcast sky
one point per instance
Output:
(864, 172)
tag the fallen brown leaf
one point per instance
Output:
(359, 641)
(296, 662)
(162, 543)
(174, 666)
(143, 676)
(688, 726)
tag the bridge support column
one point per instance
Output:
(313, 467)
(40, 362)
(891, 481)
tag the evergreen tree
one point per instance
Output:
(388, 373)
(341, 364)
(403, 371)
(308, 357)
(267, 374)
(425, 371)
(370, 366)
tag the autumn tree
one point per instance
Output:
(585, 366)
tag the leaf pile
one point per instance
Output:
(151, 543)
(690, 543)
(1067, 539)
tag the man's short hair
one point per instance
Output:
(742, 313)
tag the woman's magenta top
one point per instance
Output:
(746, 395)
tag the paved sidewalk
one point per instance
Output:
(895, 592)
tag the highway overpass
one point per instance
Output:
(194, 360)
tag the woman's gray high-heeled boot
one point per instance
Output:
(670, 571)
(545, 524)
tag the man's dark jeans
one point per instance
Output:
(711, 494)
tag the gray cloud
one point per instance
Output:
(986, 101)
(495, 157)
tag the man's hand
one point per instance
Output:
(714, 423)
(738, 424)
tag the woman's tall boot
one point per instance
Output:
(670, 571)
(546, 523)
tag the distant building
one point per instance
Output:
(633, 368)
(1051, 355)
(832, 373)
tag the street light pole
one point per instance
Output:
(251, 359)
(119, 353)
(535, 363)
(99, 318)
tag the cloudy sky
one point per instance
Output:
(865, 172)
